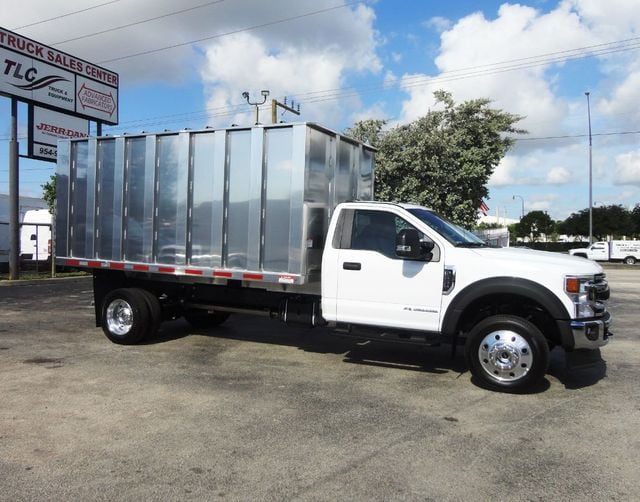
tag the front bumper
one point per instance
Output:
(591, 334)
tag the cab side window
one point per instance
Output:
(378, 230)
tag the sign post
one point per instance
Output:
(14, 195)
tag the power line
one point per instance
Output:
(64, 15)
(182, 11)
(449, 76)
(249, 28)
(576, 136)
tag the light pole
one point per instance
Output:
(257, 104)
(522, 200)
(590, 172)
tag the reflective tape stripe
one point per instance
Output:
(204, 272)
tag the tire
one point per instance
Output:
(630, 260)
(125, 316)
(205, 318)
(507, 353)
(155, 312)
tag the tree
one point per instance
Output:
(534, 224)
(635, 220)
(49, 193)
(612, 220)
(442, 160)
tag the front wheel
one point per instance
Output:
(630, 260)
(507, 353)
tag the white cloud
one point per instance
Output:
(376, 111)
(622, 102)
(628, 168)
(438, 23)
(542, 202)
(308, 68)
(201, 21)
(549, 95)
(472, 56)
(558, 176)
(503, 174)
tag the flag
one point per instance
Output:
(484, 208)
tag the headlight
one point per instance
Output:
(577, 288)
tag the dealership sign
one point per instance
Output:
(39, 74)
(46, 127)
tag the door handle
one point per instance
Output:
(351, 265)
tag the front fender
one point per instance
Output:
(511, 286)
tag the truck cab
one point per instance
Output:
(418, 271)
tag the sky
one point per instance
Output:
(186, 64)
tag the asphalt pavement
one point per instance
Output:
(254, 410)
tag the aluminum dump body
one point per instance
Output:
(251, 204)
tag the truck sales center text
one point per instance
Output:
(51, 56)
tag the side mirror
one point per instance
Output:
(408, 244)
(427, 246)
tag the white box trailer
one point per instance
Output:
(278, 221)
(35, 236)
(615, 250)
(26, 206)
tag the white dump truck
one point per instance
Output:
(279, 221)
(625, 251)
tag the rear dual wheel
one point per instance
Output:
(507, 353)
(130, 315)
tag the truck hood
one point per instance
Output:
(543, 260)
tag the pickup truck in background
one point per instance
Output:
(625, 251)
(279, 221)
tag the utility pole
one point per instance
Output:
(274, 109)
(257, 104)
(590, 172)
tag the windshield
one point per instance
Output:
(456, 235)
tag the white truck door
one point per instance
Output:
(376, 287)
(598, 251)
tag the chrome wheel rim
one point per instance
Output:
(505, 355)
(119, 317)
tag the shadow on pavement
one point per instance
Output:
(574, 370)
(420, 358)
